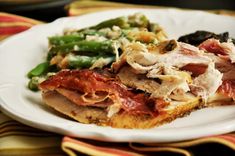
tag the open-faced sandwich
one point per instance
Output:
(125, 73)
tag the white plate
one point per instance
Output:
(23, 51)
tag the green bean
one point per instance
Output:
(154, 27)
(35, 81)
(91, 32)
(32, 85)
(87, 61)
(120, 21)
(61, 40)
(138, 20)
(81, 61)
(84, 46)
(40, 69)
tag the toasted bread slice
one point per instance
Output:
(89, 114)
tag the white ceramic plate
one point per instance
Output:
(23, 51)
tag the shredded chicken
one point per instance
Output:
(184, 55)
(142, 61)
(206, 84)
(163, 64)
(171, 80)
(138, 81)
(138, 57)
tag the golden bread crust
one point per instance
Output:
(88, 114)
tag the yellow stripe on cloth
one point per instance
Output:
(161, 149)
(88, 6)
(12, 24)
(227, 140)
(70, 145)
(17, 139)
(83, 7)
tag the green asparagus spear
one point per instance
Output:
(120, 21)
(84, 46)
(39, 70)
(77, 61)
(80, 61)
(61, 40)
(138, 20)
(34, 82)
(91, 32)
(33, 85)
(154, 27)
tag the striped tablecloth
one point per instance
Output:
(17, 139)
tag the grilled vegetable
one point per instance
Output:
(199, 36)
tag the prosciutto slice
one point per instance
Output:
(224, 49)
(90, 88)
(228, 88)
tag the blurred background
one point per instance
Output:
(49, 10)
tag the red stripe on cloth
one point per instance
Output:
(103, 149)
(12, 30)
(228, 138)
(9, 18)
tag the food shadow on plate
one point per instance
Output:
(41, 105)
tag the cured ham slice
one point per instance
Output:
(89, 88)
(224, 49)
(228, 88)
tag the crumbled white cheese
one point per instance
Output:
(76, 48)
(116, 28)
(95, 38)
(105, 30)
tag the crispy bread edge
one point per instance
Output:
(95, 115)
